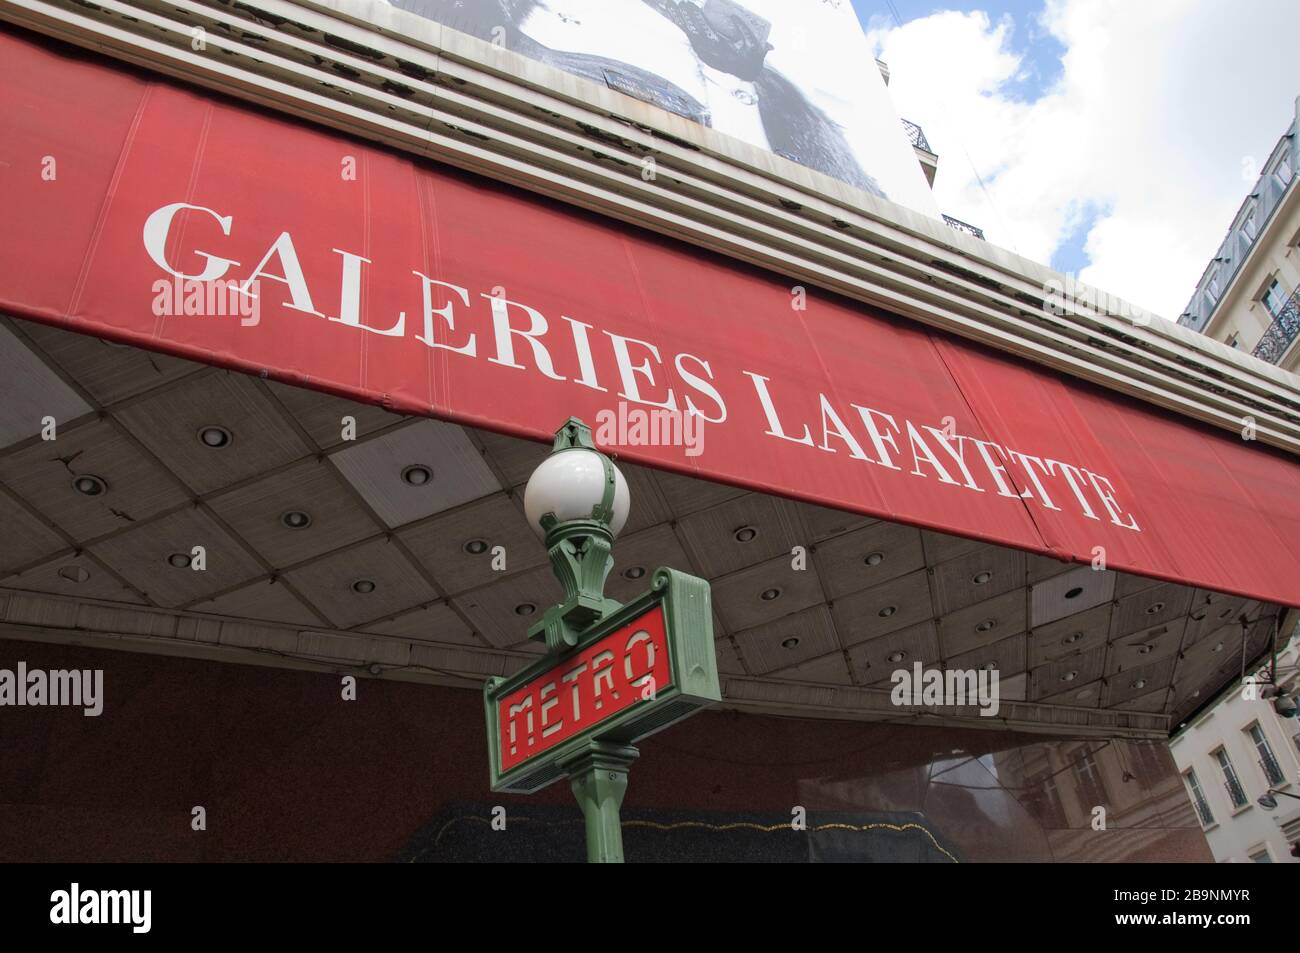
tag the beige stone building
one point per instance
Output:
(1249, 295)
(1237, 750)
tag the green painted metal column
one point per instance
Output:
(598, 776)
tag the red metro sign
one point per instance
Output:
(585, 690)
(644, 668)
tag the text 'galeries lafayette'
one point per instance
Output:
(488, 325)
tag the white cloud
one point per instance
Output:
(1158, 108)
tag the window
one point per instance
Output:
(1231, 340)
(1284, 168)
(1198, 799)
(1261, 856)
(1086, 772)
(1272, 770)
(1274, 298)
(1148, 764)
(1248, 225)
(1236, 793)
(1045, 800)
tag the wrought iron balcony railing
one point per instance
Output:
(1203, 810)
(1272, 770)
(916, 136)
(1235, 790)
(963, 227)
(1279, 335)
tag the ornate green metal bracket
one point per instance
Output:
(580, 555)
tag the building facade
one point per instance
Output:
(1240, 748)
(1249, 295)
(1237, 750)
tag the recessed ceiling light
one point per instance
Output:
(981, 577)
(1072, 638)
(874, 559)
(74, 573)
(375, 668)
(1217, 648)
(634, 572)
(1154, 608)
(769, 594)
(296, 519)
(897, 656)
(475, 547)
(180, 560)
(1140, 683)
(89, 485)
(991, 665)
(1199, 614)
(417, 475)
(525, 608)
(986, 625)
(1069, 676)
(1074, 593)
(790, 642)
(745, 534)
(887, 611)
(363, 586)
(214, 437)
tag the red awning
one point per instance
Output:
(434, 292)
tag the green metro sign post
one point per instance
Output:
(613, 673)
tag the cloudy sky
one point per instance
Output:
(1114, 139)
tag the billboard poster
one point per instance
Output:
(795, 77)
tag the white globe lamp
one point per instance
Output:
(570, 485)
(577, 502)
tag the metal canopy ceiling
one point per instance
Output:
(1079, 651)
